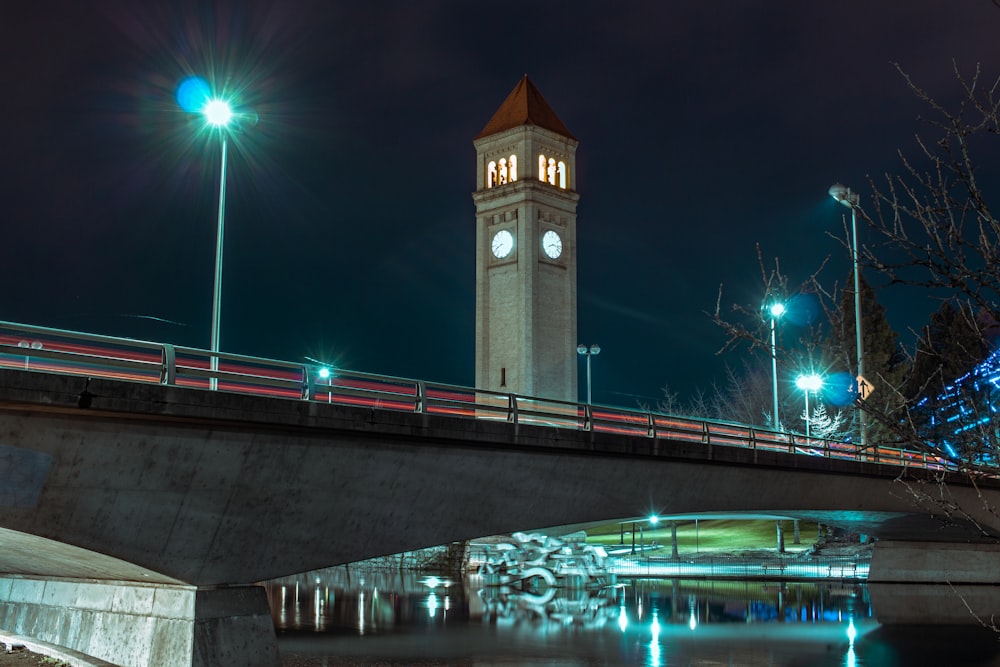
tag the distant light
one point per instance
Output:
(193, 94)
(622, 618)
(218, 113)
(654, 519)
(777, 309)
(324, 373)
(810, 382)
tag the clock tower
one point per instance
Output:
(526, 250)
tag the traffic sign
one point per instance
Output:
(865, 388)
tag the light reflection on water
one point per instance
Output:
(340, 617)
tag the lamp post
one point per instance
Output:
(845, 196)
(588, 352)
(218, 114)
(776, 310)
(194, 96)
(807, 383)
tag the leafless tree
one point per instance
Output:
(934, 231)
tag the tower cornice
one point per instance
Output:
(527, 187)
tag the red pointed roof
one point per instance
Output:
(525, 106)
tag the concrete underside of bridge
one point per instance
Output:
(166, 491)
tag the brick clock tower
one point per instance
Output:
(526, 250)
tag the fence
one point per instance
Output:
(744, 567)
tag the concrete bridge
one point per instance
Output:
(136, 517)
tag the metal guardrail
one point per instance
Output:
(42, 349)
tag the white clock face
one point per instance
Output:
(502, 244)
(551, 244)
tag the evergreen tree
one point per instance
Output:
(950, 346)
(885, 365)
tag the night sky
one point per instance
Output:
(705, 128)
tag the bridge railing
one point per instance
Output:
(42, 349)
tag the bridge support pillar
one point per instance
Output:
(143, 625)
(935, 563)
(934, 583)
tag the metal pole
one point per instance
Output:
(806, 392)
(774, 376)
(857, 309)
(217, 291)
(589, 401)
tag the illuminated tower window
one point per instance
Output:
(502, 172)
(552, 172)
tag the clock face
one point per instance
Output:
(502, 244)
(551, 244)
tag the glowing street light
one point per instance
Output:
(588, 352)
(326, 374)
(193, 95)
(218, 114)
(807, 383)
(776, 310)
(845, 196)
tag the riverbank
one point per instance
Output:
(25, 658)
(26, 652)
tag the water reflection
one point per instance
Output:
(342, 600)
(341, 617)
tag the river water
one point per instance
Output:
(345, 617)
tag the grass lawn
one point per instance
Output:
(722, 535)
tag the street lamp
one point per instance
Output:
(776, 310)
(218, 114)
(845, 196)
(588, 352)
(326, 374)
(807, 383)
(194, 95)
